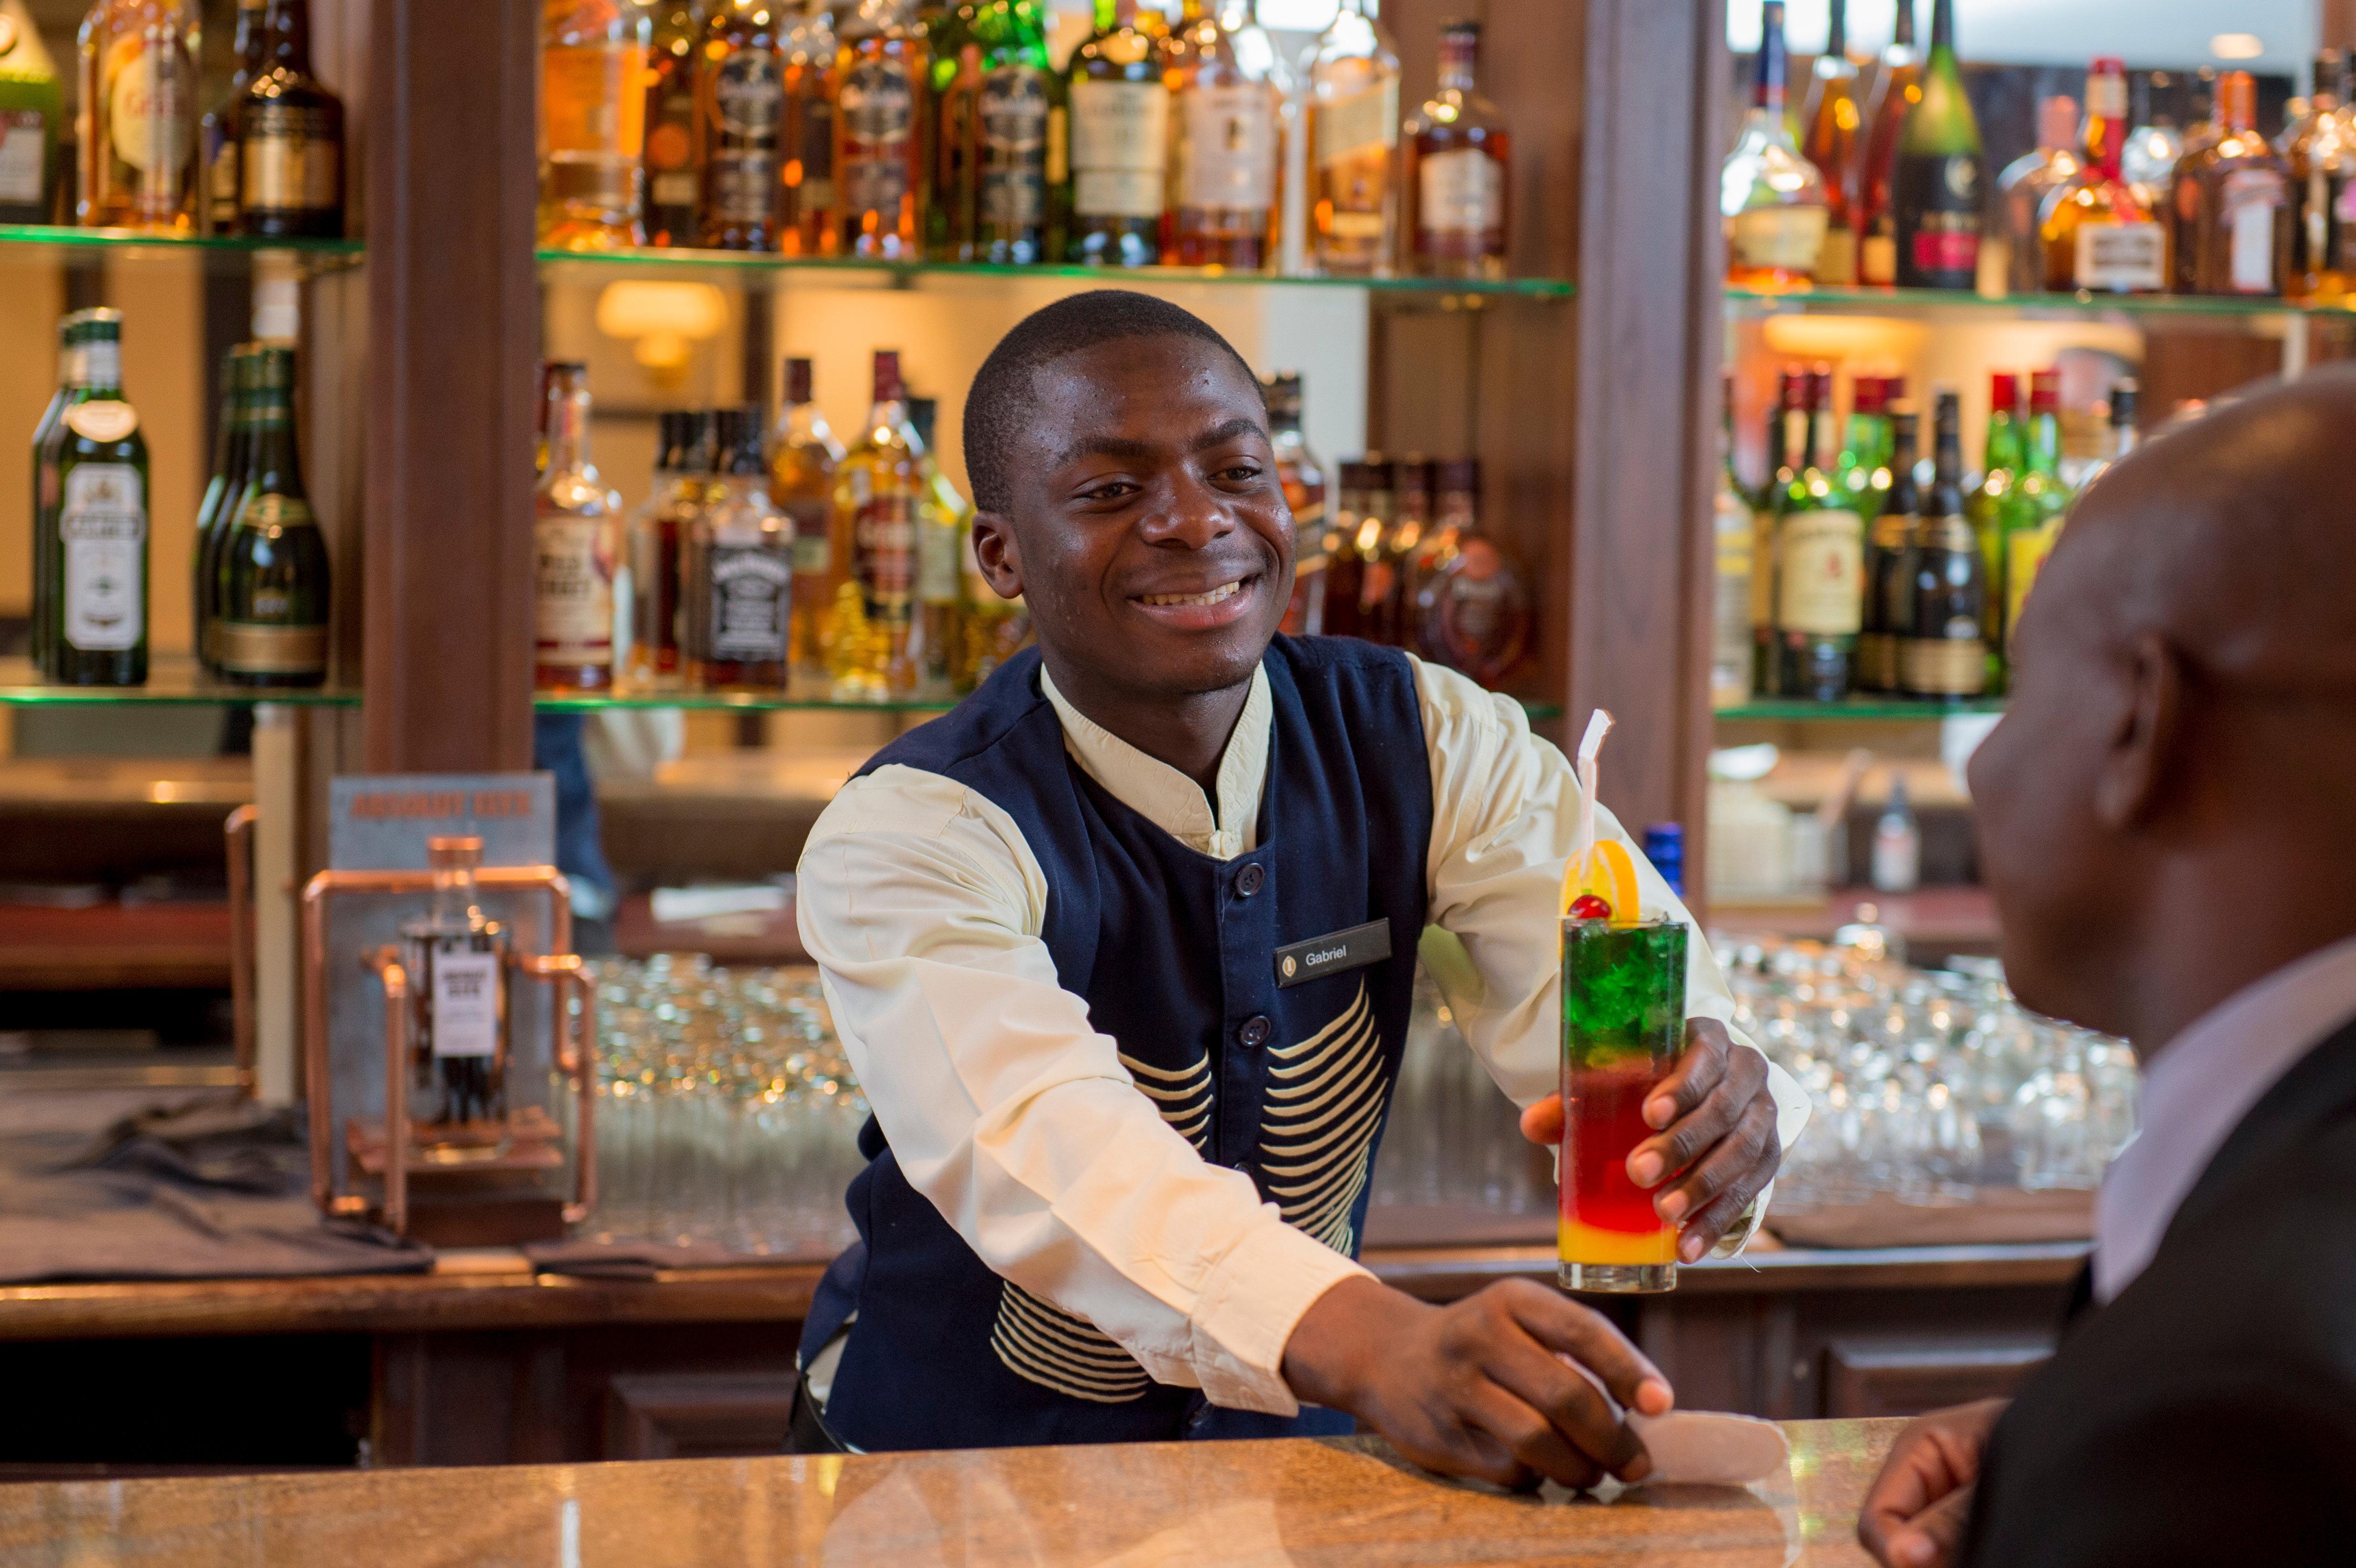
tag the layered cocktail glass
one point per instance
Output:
(1623, 1019)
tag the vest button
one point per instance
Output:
(1248, 880)
(1255, 1031)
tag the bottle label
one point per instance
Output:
(1877, 259)
(1230, 147)
(2024, 557)
(937, 563)
(24, 154)
(751, 588)
(1946, 249)
(813, 541)
(751, 97)
(572, 593)
(1762, 570)
(743, 186)
(593, 100)
(1820, 570)
(884, 544)
(466, 1003)
(1357, 124)
(274, 510)
(103, 528)
(670, 147)
(2120, 258)
(247, 647)
(1119, 144)
(1836, 262)
(1015, 147)
(1463, 193)
(2249, 205)
(1953, 664)
(104, 419)
(293, 162)
(878, 109)
(811, 185)
(1777, 238)
(151, 89)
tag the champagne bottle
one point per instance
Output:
(232, 450)
(1936, 188)
(99, 564)
(270, 621)
(1944, 652)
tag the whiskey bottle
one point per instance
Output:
(1943, 650)
(1935, 187)
(1819, 567)
(2233, 204)
(577, 547)
(1473, 609)
(740, 111)
(32, 117)
(1120, 141)
(879, 142)
(1458, 153)
(2098, 236)
(653, 539)
(1831, 120)
(291, 138)
(738, 571)
(803, 458)
(1224, 199)
(1772, 201)
(1362, 510)
(2025, 181)
(1303, 479)
(2322, 160)
(219, 156)
(135, 123)
(1897, 88)
(72, 375)
(879, 494)
(100, 590)
(997, 118)
(456, 960)
(2033, 512)
(1354, 131)
(233, 453)
(592, 122)
(943, 535)
(1387, 599)
(1888, 563)
(667, 116)
(270, 621)
(806, 225)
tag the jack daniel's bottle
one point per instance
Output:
(456, 960)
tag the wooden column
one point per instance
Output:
(452, 351)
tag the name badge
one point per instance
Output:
(1321, 956)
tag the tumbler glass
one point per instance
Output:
(1624, 1020)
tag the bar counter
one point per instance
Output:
(1288, 1504)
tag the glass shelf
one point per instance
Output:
(171, 683)
(50, 243)
(910, 274)
(1882, 708)
(1895, 302)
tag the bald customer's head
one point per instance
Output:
(2168, 811)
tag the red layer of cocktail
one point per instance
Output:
(1623, 995)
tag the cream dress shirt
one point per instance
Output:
(923, 906)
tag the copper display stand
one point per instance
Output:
(534, 1133)
(239, 832)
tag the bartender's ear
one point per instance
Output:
(1001, 558)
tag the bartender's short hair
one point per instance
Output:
(1002, 404)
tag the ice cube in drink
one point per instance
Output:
(1624, 1005)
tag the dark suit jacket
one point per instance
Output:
(2207, 1416)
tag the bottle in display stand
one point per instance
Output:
(655, 540)
(740, 113)
(944, 537)
(32, 118)
(1943, 650)
(1935, 186)
(291, 138)
(1819, 568)
(803, 458)
(2000, 467)
(1787, 457)
(232, 450)
(2034, 511)
(456, 958)
(2322, 160)
(1225, 196)
(1731, 654)
(1772, 201)
(879, 143)
(577, 547)
(1303, 479)
(997, 134)
(1459, 156)
(737, 574)
(135, 125)
(808, 51)
(592, 122)
(1897, 843)
(1473, 609)
(1120, 141)
(1353, 125)
(2025, 181)
(1897, 88)
(100, 558)
(2099, 236)
(1888, 563)
(879, 495)
(218, 157)
(72, 358)
(1832, 119)
(2233, 204)
(669, 118)
(269, 625)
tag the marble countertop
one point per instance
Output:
(1290, 1504)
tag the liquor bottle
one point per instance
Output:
(2149, 161)
(2121, 431)
(232, 451)
(1863, 474)
(1455, 506)
(652, 540)
(803, 460)
(272, 588)
(220, 157)
(668, 119)
(135, 123)
(576, 529)
(1935, 186)
(1943, 650)
(740, 113)
(1459, 156)
(737, 574)
(1225, 198)
(1303, 478)
(1415, 516)
(291, 138)
(1787, 458)
(1888, 565)
(997, 108)
(1120, 141)
(1343, 566)
(879, 494)
(2022, 187)
(2233, 204)
(32, 114)
(1832, 119)
(1897, 88)
(944, 536)
(1354, 128)
(1731, 654)
(2033, 513)
(2000, 467)
(592, 122)
(2322, 160)
(807, 48)
(879, 134)
(456, 958)
(100, 559)
(2098, 234)
(1897, 843)
(2324, 102)
(1819, 569)
(1473, 609)
(1774, 200)
(72, 374)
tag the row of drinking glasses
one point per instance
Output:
(1454, 1138)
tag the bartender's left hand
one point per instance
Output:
(1717, 1148)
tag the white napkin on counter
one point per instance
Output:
(1710, 1448)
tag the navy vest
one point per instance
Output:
(1176, 955)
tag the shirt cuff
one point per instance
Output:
(1248, 1310)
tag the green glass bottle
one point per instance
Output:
(270, 627)
(1941, 651)
(32, 114)
(232, 446)
(1864, 472)
(998, 134)
(1819, 569)
(45, 487)
(1889, 565)
(97, 583)
(2032, 513)
(1936, 188)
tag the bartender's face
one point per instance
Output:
(1147, 532)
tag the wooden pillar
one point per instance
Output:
(453, 349)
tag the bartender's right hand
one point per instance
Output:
(1477, 1388)
(1914, 1511)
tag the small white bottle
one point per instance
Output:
(1897, 843)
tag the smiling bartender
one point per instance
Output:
(1120, 1149)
